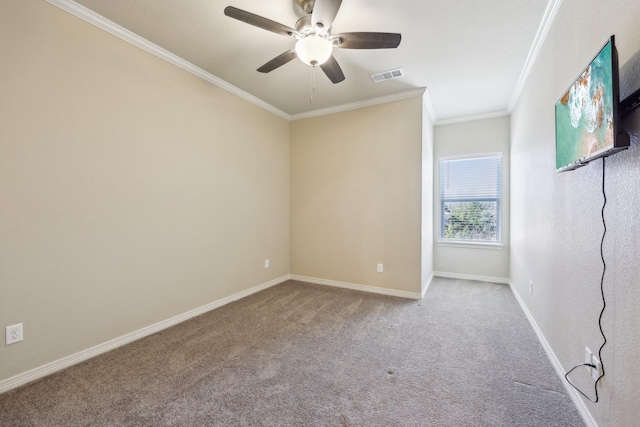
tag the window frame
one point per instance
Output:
(491, 244)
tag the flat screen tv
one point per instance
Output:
(587, 113)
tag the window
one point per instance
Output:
(470, 199)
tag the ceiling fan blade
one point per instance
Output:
(368, 40)
(259, 21)
(278, 61)
(324, 12)
(333, 70)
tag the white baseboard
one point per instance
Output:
(489, 279)
(65, 362)
(357, 287)
(573, 394)
(425, 288)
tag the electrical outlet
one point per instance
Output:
(597, 372)
(266, 263)
(14, 334)
(592, 359)
(380, 268)
(587, 357)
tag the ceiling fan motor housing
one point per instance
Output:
(304, 26)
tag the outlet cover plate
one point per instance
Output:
(14, 334)
(597, 372)
(587, 359)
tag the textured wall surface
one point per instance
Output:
(556, 224)
(130, 190)
(356, 196)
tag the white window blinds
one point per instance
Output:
(470, 197)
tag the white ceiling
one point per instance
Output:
(469, 54)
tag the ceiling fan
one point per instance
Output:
(315, 40)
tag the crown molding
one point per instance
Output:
(472, 118)
(547, 21)
(545, 25)
(101, 22)
(130, 37)
(111, 27)
(360, 104)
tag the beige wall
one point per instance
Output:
(466, 139)
(556, 223)
(356, 196)
(130, 190)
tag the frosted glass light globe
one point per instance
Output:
(314, 50)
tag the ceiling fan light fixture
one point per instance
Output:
(314, 50)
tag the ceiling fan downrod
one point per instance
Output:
(306, 5)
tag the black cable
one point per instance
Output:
(604, 302)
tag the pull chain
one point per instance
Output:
(313, 84)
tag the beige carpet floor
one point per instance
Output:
(299, 354)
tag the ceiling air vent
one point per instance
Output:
(387, 75)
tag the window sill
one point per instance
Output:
(470, 244)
